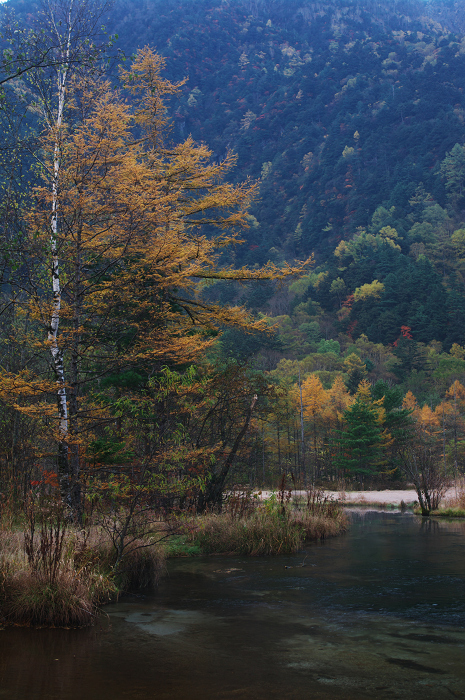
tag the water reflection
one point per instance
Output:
(378, 613)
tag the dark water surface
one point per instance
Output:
(376, 613)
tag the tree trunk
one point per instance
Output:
(56, 352)
(214, 489)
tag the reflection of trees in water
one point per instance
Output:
(436, 525)
(429, 525)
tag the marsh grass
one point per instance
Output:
(273, 527)
(257, 534)
(31, 599)
(60, 593)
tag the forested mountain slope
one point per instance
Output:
(339, 107)
(346, 111)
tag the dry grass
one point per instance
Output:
(31, 599)
(141, 566)
(257, 534)
(319, 527)
(29, 596)
(266, 531)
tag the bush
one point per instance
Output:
(141, 566)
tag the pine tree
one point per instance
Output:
(362, 441)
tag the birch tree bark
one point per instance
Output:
(56, 352)
(67, 35)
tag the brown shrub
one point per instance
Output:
(141, 566)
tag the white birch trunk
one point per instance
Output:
(57, 354)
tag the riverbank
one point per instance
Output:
(60, 576)
(452, 504)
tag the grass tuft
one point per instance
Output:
(141, 566)
(453, 507)
(31, 599)
(449, 512)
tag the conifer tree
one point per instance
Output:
(363, 440)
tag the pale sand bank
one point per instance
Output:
(408, 496)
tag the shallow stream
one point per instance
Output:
(376, 613)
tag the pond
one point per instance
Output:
(376, 613)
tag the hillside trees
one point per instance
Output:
(363, 439)
(124, 256)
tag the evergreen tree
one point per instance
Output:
(363, 440)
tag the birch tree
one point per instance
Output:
(69, 35)
(64, 42)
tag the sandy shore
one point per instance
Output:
(387, 496)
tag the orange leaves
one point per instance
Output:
(410, 402)
(364, 396)
(144, 79)
(313, 396)
(456, 391)
(49, 478)
(22, 385)
(339, 399)
(324, 405)
(424, 416)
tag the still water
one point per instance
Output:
(376, 613)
